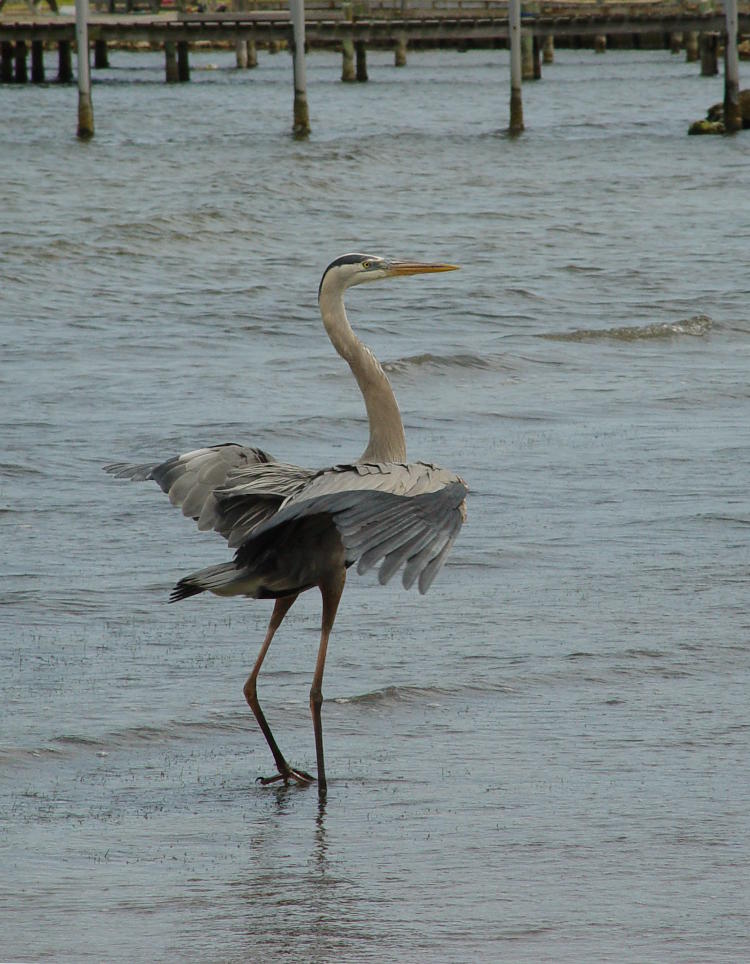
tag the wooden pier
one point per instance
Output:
(378, 23)
(352, 27)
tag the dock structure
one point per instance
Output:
(352, 27)
(393, 24)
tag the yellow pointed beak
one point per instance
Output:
(419, 267)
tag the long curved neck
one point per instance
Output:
(387, 440)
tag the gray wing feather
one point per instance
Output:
(417, 530)
(194, 481)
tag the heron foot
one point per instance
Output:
(299, 777)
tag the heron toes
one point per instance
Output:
(299, 777)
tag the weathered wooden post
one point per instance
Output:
(301, 127)
(676, 42)
(527, 55)
(252, 55)
(692, 46)
(172, 74)
(399, 56)
(101, 55)
(548, 49)
(361, 53)
(20, 70)
(348, 73)
(241, 43)
(732, 112)
(514, 30)
(85, 106)
(37, 62)
(183, 61)
(709, 54)
(64, 63)
(600, 43)
(6, 62)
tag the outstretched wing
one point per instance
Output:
(381, 528)
(229, 488)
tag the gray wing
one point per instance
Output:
(229, 488)
(252, 495)
(378, 527)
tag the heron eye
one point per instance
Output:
(366, 264)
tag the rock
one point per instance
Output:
(716, 113)
(707, 127)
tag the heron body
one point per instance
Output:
(294, 528)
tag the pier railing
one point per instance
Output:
(396, 9)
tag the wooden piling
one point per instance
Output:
(172, 74)
(64, 63)
(516, 104)
(85, 105)
(183, 61)
(548, 49)
(6, 62)
(301, 125)
(20, 70)
(709, 54)
(399, 56)
(676, 42)
(527, 55)
(348, 74)
(732, 111)
(600, 43)
(692, 47)
(360, 51)
(37, 62)
(241, 44)
(101, 55)
(252, 55)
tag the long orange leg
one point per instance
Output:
(286, 773)
(331, 592)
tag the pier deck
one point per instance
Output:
(478, 21)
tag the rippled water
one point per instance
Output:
(545, 759)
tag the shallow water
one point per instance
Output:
(545, 759)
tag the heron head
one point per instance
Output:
(356, 269)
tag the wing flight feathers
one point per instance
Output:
(388, 515)
(416, 531)
(194, 480)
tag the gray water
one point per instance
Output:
(546, 757)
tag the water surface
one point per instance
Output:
(545, 758)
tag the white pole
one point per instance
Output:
(85, 107)
(301, 126)
(514, 31)
(732, 113)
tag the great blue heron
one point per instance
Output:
(295, 528)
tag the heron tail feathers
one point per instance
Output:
(224, 580)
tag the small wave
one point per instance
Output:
(439, 362)
(419, 694)
(721, 517)
(128, 738)
(13, 470)
(696, 327)
(392, 694)
(583, 268)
